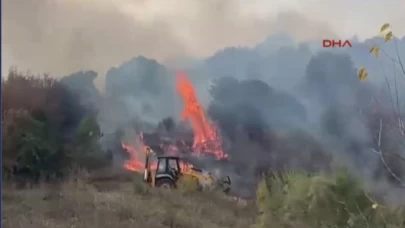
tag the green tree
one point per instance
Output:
(86, 151)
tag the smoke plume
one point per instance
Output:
(256, 67)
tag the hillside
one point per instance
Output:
(305, 140)
(117, 203)
(304, 202)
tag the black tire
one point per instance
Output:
(165, 183)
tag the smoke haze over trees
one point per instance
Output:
(319, 146)
(277, 106)
(260, 76)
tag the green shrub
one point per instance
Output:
(297, 199)
(141, 188)
(46, 130)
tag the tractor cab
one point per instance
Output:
(168, 167)
(165, 173)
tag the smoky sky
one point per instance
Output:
(64, 36)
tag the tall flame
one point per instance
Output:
(206, 139)
(137, 155)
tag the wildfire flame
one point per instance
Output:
(137, 155)
(135, 164)
(206, 138)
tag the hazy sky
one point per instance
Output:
(61, 36)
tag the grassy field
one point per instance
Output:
(118, 204)
(293, 200)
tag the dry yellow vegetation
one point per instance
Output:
(118, 204)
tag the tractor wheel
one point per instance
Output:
(165, 183)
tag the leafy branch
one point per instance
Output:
(375, 50)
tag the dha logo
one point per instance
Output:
(336, 43)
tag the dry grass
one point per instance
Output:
(75, 204)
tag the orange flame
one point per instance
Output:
(137, 164)
(206, 139)
(184, 166)
(205, 134)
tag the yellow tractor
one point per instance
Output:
(167, 171)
